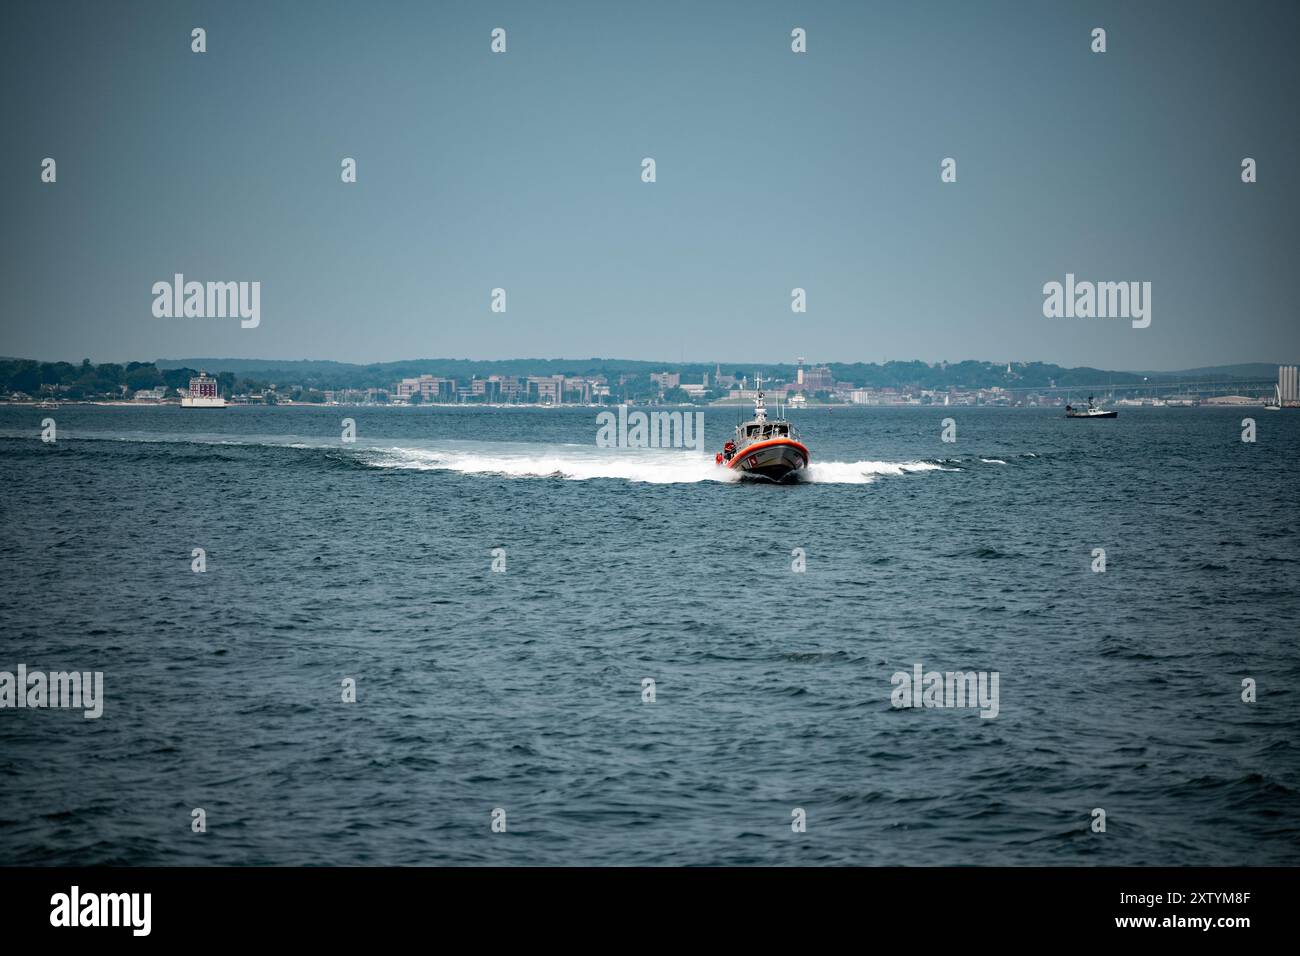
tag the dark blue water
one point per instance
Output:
(522, 690)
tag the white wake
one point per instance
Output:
(579, 463)
(865, 472)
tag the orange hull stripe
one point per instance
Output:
(768, 444)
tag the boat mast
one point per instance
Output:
(760, 410)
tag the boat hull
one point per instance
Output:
(1094, 415)
(777, 459)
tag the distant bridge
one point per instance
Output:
(1229, 387)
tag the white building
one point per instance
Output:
(1287, 386)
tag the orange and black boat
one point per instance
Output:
(765, 448)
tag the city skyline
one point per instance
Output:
(610, 381)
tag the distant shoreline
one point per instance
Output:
(51, 404)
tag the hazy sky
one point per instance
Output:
(775, 170)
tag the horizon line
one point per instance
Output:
(666, 364)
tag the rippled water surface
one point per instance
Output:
(523, 690)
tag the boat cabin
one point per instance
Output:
(763, 430)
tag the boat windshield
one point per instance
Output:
(766, 430)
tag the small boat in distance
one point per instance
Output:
(1092, 411)
(763, 448)
(1276, 404)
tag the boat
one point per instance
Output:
(203, 393)
(765, 448)
(1092, 411)
(1276, 404)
